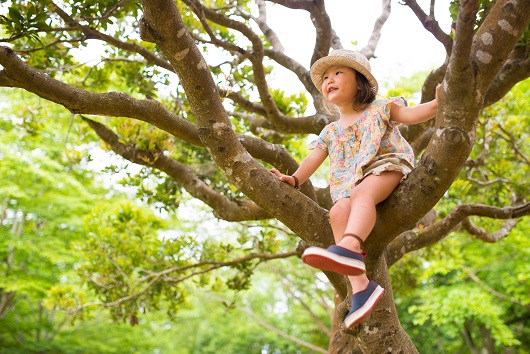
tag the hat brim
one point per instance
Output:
(321, 65)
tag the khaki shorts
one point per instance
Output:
(388, 164)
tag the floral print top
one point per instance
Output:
(371, 138)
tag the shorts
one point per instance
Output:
(387, 164)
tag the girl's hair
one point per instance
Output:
(365, 94)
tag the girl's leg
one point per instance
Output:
(338, 218)
(362, 214)
(356, 215)
(363, 200)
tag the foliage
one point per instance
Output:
(446, 300)
(44, 198)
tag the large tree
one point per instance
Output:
(226, 116)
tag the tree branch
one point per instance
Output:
(95, 34)
(223, 208)
(164, 22)
(431, 25)
(513, 142)
(461, 49)
(116, 104)
(162, 276)
(497, 37)
(369, 50)
(515, 69)
(484, 235)
(416, 239)
(489, 289)
(294, 125)
(261, 20)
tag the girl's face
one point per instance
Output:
(340, 85)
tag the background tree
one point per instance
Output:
(216, 134)
(45, 195)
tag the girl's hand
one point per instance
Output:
(284, 178)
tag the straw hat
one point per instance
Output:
(342, 57)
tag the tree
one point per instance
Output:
(228, 118)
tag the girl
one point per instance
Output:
(368, 159)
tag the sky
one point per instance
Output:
(404, 48)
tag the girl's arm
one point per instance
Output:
(416, 114)
(308, 166)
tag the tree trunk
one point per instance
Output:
(379, 333)
(341, 342)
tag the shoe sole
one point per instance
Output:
(325, 260)
(355, 318)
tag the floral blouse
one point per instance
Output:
(371, 138)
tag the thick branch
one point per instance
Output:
(459, 66)
(514, 70)
(223, 208)
(416, 239)
(116, 104)
(324, 32)
(497, 37)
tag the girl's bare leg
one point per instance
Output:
(357, 215)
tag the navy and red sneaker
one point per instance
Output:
(335, 259)
(362, 304)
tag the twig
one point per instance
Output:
(489, 289)
(156, 276)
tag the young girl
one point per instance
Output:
(368, 159)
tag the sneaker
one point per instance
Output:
(335, 259)
(362, 304)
